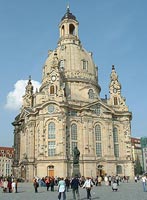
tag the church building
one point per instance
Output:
(67, 111)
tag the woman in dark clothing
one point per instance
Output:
(36, 185)
(10, 186)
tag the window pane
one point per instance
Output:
(51, 130)
(51, 148)
(73, 145)
(119, 169)
(91, 94)
(52, 89)
(98, 133)
(116, 150)
(74, 132)
(98, 149)
(115, 135)
(97, 110)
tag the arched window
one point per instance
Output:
(98, 140)
(115, 101)
(63, 31)
(52, 90)
(115, 140)
(91, 94)
(98, 109)
(51, 130)
(71, 29)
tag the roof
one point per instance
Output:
(68, 15)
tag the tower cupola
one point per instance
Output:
(68, 29)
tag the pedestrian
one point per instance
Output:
(47, 182)
(106, 179)
(36, 185)
(109, 180)
(144, 180)
(88, 185)
(135, 179)
(5, 185)
(115, 186)
(67, 183)
(16, 185)
(9, 185)
(13, 186)
(61, 189)
(99, 180)
(52, 183)
(75, 183)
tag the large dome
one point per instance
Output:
(76, 61)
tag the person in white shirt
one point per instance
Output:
(13, 186)
(144, 180)
(61, 189)
(88, 185)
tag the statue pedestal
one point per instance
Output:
(76, 170)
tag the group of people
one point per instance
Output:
(75, 184)
(9, 184)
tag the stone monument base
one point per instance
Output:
(76, 170)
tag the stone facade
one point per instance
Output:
(67, 111)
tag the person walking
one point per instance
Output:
(13, 186)
(61, 189)
(144, 180)
(5, 185)
(36, 185)
(88, 185)
(75, 183)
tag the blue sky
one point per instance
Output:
(114, 30)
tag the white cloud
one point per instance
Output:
(14, 97)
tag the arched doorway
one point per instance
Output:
(23, 172)
(50, 170)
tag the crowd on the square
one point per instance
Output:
(62, 185)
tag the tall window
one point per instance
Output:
(91, 94)
(85, 65)
(63, 31)
(51, 148)
(115, 140)
(98, 149)
(61, 65)
(71, 29)
(115, 101)
(98, 140)
(73, 136)
(51, 137)
(119, 169)
(97, 133)
(74, 132)
(51, 130)
(52, 90)
(98, 109)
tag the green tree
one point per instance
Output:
(137, 167)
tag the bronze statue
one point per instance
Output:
(76, 155)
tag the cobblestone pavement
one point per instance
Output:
(127, 191)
